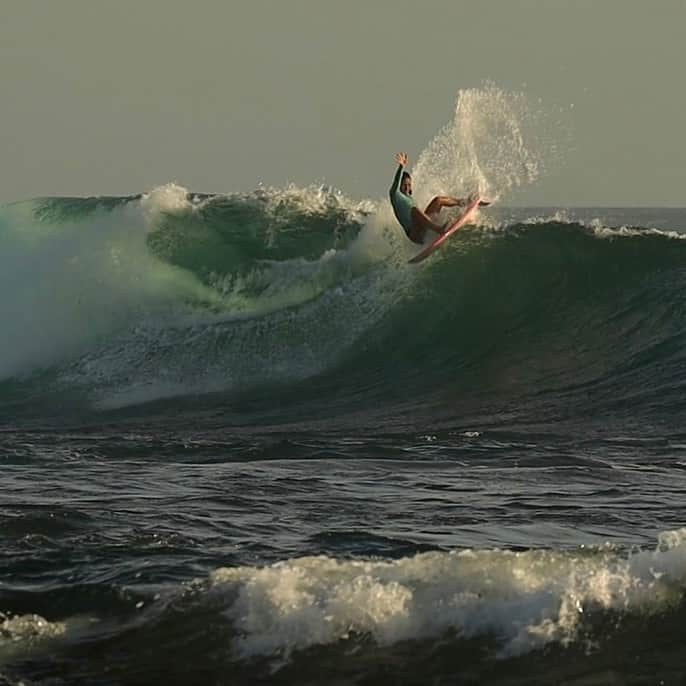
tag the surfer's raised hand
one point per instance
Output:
(401, 158)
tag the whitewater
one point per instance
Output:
(244, 441)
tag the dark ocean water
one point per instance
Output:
(242, 441)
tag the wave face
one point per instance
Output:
(115, 302)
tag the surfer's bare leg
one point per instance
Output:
(421, 224)
(440, 201)
(434, 207)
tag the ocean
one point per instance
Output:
(243, 441)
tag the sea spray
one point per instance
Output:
(497, 141)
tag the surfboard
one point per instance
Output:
(460, 221)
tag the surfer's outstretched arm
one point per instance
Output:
(401, 159)
(396, 181)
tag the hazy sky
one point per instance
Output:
(118, 96)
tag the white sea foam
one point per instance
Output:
(499, 221)
(170, 197)
(25, 627)
(65, 286)
(524, 599)
(608, 232)
(19, 633)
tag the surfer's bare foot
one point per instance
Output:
(471, 198)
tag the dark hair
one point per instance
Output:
(406, 175)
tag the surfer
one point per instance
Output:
(415, 222)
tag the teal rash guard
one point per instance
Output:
(402, 204)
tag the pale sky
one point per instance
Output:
(113, 97)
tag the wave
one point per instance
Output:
(524, 599)
(550, 614)
(170, 294)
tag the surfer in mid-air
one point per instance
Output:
(415, 222)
